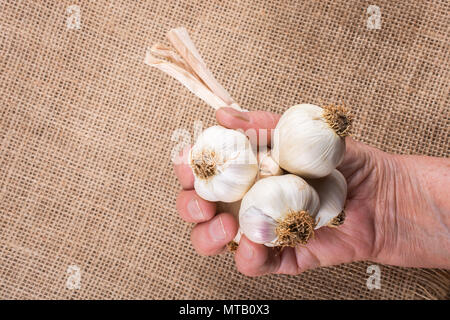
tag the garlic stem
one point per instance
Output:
(187, 79)
(187, 66)
(166, 52)
(181, 41)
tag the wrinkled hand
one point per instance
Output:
(390, 218)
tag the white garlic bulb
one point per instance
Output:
(223, 163)
(279, 211)
(309, 140)
(267, 166)
(332, 191)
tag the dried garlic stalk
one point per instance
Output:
(187, 66)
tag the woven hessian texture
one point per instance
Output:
(86, 179)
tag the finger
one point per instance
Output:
(357, 155)
(192, 208)
(358, 166)
(256, 124)
(254, 259)
(352, 156)
(288, 262)
(183, 171)
(322, 251)
(211, 237)
(333, 246)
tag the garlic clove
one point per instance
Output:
(267, 166)
(284, 206)
(257, 226)
(332, 191)
(223, 163)
(309, 140)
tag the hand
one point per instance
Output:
(396, 212)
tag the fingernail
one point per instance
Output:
(246, 250)
(194, 210)
(216, 230)
(237, 114)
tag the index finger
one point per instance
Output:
(261, 123)
(254, 259)
(183, 171)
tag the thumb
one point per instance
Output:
(255, 124)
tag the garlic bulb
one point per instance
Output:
(223, 163)
(332, 191)
(267, 166)
(279, 211)
(309, 140)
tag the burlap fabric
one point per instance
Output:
(86, 180)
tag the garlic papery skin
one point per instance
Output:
(187, 66)
(267, 166)
(223, 163)
(309, 140)
(332, 191)
(233, 244)
(238, 236)
(279, 211)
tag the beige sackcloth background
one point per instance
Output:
(86, 181)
